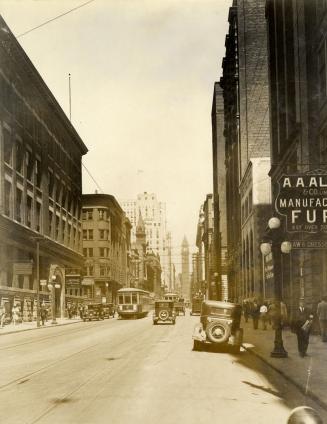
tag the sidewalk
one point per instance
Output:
(308, 373)
(26, 326)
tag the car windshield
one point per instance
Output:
(226, 312)
(163, 305)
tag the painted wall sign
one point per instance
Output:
(302, 199)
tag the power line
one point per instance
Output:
(55, 18)
(92, 177)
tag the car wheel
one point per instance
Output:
(155, 323)
(218, 332)
(197, 345)
(191, 313)
(174, 322)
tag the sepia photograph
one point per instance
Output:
(163, 211)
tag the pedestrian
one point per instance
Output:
(255, 312)
(80, 311)
(43, 313)
(2, 315)
(246, 310)
(264, 315)
(69, 311)
(322, 316)
(304, 415)
(300, 325)
(15, 314)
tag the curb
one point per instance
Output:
(38, 328)
(310, 394)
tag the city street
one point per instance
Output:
(123, 371)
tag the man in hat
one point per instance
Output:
(301, 316)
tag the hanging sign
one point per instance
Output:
(302, 199)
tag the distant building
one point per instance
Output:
(154, 217)
(185, 275)
(40, 189)
(106, 246)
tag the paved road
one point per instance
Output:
(121, 372)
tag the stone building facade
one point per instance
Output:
(106, 246)
(40, 189)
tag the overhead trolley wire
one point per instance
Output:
(54, 19)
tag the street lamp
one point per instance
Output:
(52, 285)
(276, 245)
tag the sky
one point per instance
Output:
(142, 77)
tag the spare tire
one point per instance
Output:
(218, 332)
(163, 315)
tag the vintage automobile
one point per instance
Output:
(219, 325)
(196, 305)
(164, 311)
(93, 311)
(108, 310)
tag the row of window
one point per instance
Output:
(102, 234)
(103, 252)
(101, 214)
(247, 206)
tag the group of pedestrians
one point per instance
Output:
(264, 312)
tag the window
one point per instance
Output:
(90, 234)
(7, 147)
(102, 252)
(101, 214)
(29, 166)
(38, 173)
(90, 270)
(89, 215)
(19, 158)
(8, 200)
(127, 298)
(19, 198)
(50, 223)
(101, 234)
(51, 183)
(102, 270)
(84, 234)
(38, 217)
(58, 188)
(85, 251)
(84, 215)
(120, 299)
(134, 298)
(90, 252)
(29, 212)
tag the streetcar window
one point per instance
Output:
(127, 298)
(121, 299)
(134, 298)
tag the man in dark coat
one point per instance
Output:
(255, 312)
(300, 316)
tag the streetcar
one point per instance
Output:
(133, 303)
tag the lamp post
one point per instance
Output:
(275, 244)
(107, 292)
(53, 286)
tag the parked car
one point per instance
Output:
(164, 311)
(219, 325)
(108, 310)
(196, 305)
(93, 311)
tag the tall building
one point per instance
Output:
(297, 40)
(247, 138)
(211, 275)
(40, 189)
(185, 275)
(219, 192)
(158, 239)
(106, 246)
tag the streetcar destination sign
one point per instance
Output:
(302, 199)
